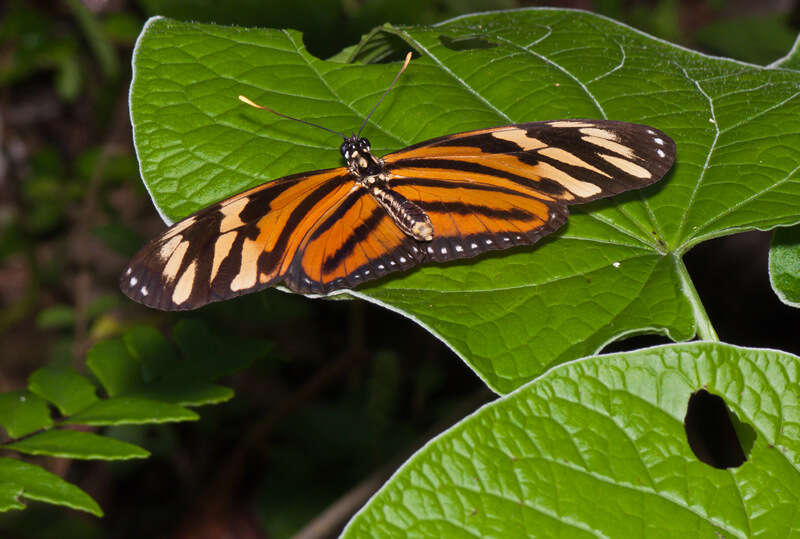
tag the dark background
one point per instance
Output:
(349, 389)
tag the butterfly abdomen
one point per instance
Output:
(409, 217)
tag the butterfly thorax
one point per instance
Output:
(362, 164)
(370, 173)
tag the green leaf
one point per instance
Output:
(614, 271)
(784, 265)
(209, 357)
(117, 370)
(101, 305)
(9, 497)
(22, 412)
(119, 237)
(186, 392)
(56, 317)
(41, 485)
(131, 411)
(792, 58)
(65, 388)
(597, 448)
(154, 352)
(77, 445)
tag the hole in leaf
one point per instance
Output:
(382, 48)
(465, 43)
(715, 434)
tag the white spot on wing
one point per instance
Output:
(144, 291)
(133, 281)
(459, 249)
(658, 141)
(444, 250)
(128, 272)
(402, 260)
(473, 245)
(661, 153)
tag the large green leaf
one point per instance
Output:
(784, 265)
(597, 448)
(615, 270)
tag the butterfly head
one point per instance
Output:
(359, 159)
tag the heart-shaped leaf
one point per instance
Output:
(615, 270)
(597, 448)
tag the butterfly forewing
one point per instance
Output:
(321, 231)
(569, 160)
(234, 247)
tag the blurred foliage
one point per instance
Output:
(328, 25)
(72, 209)
(145, 381)
(756, 39)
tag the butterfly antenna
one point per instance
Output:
(405, 65)
(250, 102)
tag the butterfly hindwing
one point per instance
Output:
(356, 242)
(471, 218)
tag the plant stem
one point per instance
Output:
(705, 331)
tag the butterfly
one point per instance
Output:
(447, 198)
